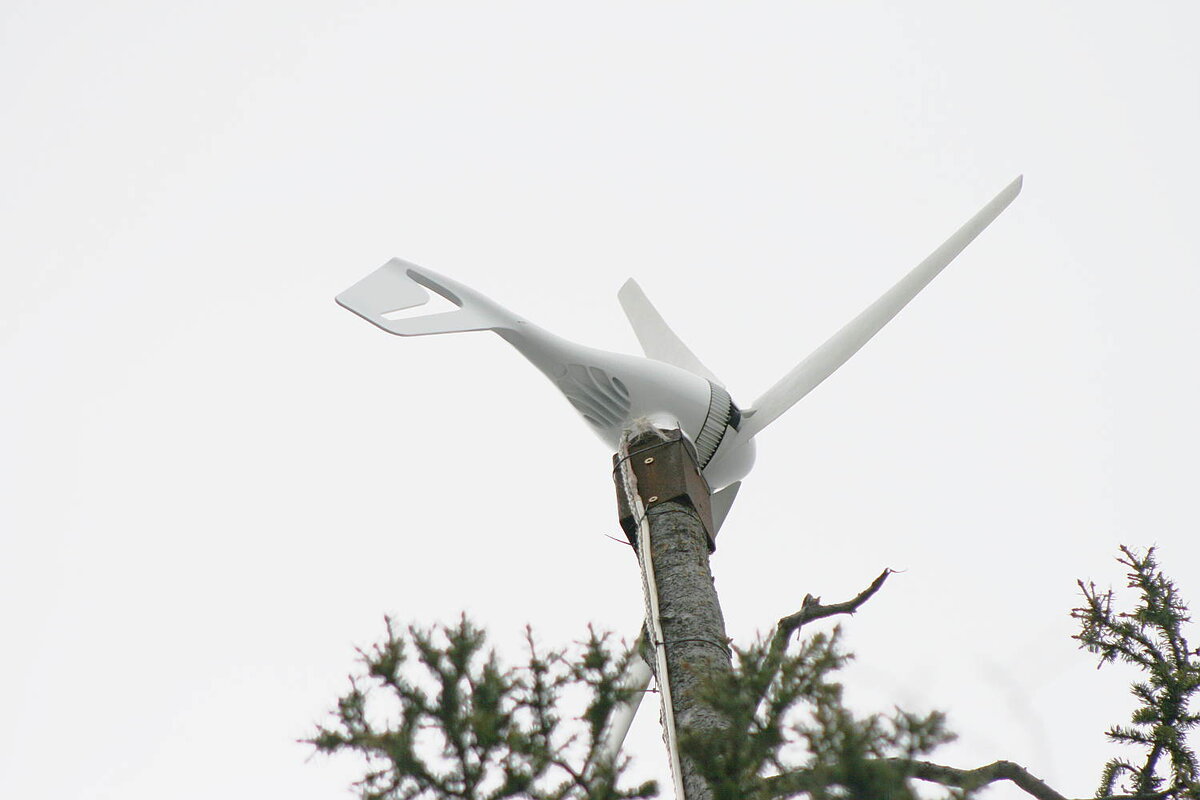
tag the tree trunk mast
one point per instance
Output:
(663, 499)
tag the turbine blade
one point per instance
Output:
(818, 366)
(636, 678)
(658, 341)
(722, 501)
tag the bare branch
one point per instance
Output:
(802, 781)
(807, 781)
(812, 609)
(970, 779)
(1009, 771)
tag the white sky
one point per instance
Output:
(214, 482)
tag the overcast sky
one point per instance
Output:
(214, 482)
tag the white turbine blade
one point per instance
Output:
(658, 341)
(809, 373)
(637, 678)
(722, 501)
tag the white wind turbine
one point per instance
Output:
(670, 387)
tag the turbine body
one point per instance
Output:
(609, 390)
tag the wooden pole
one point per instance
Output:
(664, 500)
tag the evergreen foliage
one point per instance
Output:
(437, 716)
(469, 728)
(472, 729)
(791, 734)
(1151, 638)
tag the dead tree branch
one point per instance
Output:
(969, 780)
(806, 781)
(811, 609)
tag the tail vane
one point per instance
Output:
(399, 285)
(823, 361)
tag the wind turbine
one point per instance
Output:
(670, 387)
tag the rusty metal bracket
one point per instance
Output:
(666, 470)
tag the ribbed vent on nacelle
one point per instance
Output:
(720, 408)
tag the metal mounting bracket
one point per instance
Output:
(666, 470)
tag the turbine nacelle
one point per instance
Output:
(671, 387)
(609, 390)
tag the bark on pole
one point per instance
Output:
(671, 509)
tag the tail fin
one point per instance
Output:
(399, 285)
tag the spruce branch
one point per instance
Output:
(1150, 637)
(780, 702)
(469, 728)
